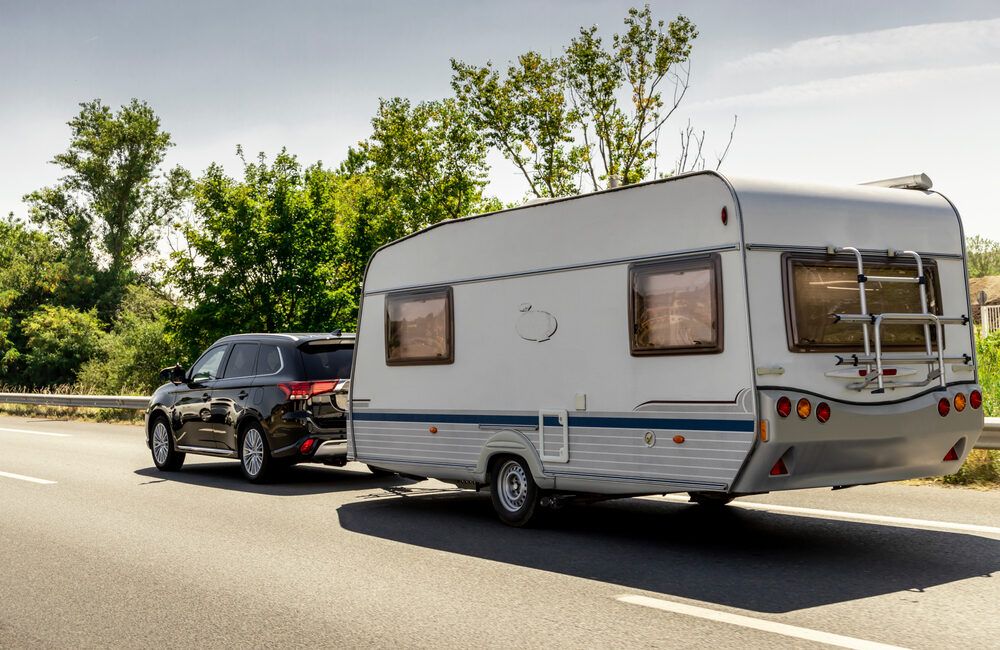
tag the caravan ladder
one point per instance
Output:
(933, 355)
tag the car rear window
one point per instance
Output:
(327, 361)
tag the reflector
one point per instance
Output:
(951, 455)
(779, 468)
(307, 445)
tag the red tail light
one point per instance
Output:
(307, 389)
(784, 407)
(951, 455)
(823, 412)
(944, 406)
(975, 399)
(779, 468)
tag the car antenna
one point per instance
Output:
(336, 332)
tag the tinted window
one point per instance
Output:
(269, 360)
(817, 288)
(242, 361)
(674, 306)
(207, 367)
(327, 361)
(418, 327)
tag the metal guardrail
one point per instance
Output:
(990, 439)
(95, 401)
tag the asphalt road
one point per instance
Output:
(109, 552)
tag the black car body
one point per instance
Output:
(265, 399)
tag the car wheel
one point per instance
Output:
(378, 471)
(513, 491)
(255, 457)
(166, 458)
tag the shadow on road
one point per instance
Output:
(748, 559)
(297, 480)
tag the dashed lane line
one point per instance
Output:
(38, 433)
(761, 624)
(855, 516)
(30, 479)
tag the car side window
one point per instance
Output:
(269, 360)
(242, 361)
(207, 367)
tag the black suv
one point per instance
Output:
(265, 399)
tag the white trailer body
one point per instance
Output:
(641, 340)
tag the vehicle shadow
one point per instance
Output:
(297, 480)
(753, 560)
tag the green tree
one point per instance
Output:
(427, 160)
(59, 340)
(983, 256)
(595, 112)
(110, 207)
(262, 253)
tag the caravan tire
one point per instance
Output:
(513, 491)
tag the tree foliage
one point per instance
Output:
(261, 253)
(109, 208)
(983, 256)
(595, 112)
(59, 340)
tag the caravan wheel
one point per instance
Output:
(513, 491)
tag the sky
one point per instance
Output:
(840, 92)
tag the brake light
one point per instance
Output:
(803, 408)
(960, 402)
(784, 407)
(976, 399)
(823, 412)
(307, 389)
(944, 406)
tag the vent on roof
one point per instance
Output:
(912, 182)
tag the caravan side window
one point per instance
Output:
(675, 306)
(419, 327)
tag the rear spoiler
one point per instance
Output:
(347, 337)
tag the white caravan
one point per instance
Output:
(702, 334)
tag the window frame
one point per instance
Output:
(711, 262)
(448, 295)
(788, 261)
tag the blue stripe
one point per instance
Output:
(587, 421)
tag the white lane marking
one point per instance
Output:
(856, 516)
(30, 479)
(756, 623)
(38, 433)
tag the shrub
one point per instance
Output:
(59, 340)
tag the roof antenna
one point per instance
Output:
(336, 332)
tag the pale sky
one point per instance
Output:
(841, 92)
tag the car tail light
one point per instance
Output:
(307, 446)
(944, 406)
(960, 402)
(784, 407)
(976, 399)
(951, 455)
(307, 389)
(779, 468)
(822, 411)
(803, 408)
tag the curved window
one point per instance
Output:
(675, 306)
(207, 367)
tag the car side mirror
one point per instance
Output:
(174, 374)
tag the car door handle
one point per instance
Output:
(243, 394)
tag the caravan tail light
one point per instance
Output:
(784, 407)
(823, 412)
(976, 399)
(803, 408)
(944, 406)
(960, 402)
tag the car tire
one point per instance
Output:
(165, 457)
(513, 491)
(255, 456)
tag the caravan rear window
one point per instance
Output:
(419, 327)
(817, 287)
(674, 306)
